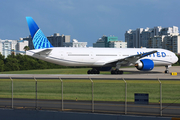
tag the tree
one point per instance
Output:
(11, 64)
(1, 62)
(1, 65)
(12, 52)
(26, 48)
(1, 57)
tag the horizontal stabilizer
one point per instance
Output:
(44, 52)
(16, 51)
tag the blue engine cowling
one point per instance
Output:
(145, 64)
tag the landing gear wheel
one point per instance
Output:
(166, 71)
(89, 72)
(121, 72)
(112, 72)
(116, 71)
(93, 71)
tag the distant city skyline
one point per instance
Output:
(86, 20)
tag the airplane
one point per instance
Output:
(99, 59)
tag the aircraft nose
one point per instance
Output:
(175, 59)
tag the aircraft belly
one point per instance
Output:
(161, 63)
(68, 62)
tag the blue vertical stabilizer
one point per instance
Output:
(40, 41)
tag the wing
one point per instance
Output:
(130, 59)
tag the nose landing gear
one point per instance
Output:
(166, 71)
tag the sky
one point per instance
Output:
(86, 20)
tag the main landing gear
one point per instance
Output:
(96, 71)
(93, 71)
(116, 71)
(166, 71)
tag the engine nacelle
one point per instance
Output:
(145, 64)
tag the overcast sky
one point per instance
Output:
(86, 20)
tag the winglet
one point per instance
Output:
(39, 39)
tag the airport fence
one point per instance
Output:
(119, 96)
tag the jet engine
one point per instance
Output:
(145, 64)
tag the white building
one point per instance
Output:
(75, 43)
(117, 44)
(140, 37)
(169, 42)
(7, 46)
(21, 44)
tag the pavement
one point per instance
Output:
(156, 73)
(97, 107)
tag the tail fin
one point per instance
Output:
(39, 39)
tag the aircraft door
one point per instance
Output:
(92, 55)
(119, 54)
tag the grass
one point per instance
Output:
(104, 90)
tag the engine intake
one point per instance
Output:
(145, 64)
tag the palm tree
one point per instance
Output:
(12, 52)
(26, 48)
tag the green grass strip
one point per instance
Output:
(104, 90)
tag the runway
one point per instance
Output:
(156, 73)
(99, 107)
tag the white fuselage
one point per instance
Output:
(100, 56)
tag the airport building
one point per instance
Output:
(157, 37)
(7, 46)
(111, 42)
(56, 40)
